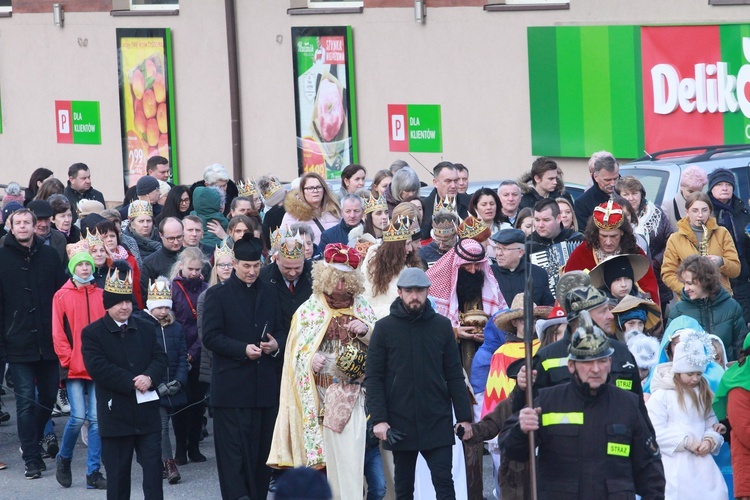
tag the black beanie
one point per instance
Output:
(114, 293)
(617, 268)
(249, 248)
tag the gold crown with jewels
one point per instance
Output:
(95, 238)
(269, 187)
(223, 250)
(138, 208)
(247, 188)
(161, 289)
(373, 204)
(113, 283)
(292, 246)
(471, 227)
(404, 231)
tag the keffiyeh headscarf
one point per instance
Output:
(444, 276)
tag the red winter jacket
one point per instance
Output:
(72, 310)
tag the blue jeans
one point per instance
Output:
(374, 474)
(82, 407)
(35, 385)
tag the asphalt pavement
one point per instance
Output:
(199, 480)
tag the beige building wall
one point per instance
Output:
(471, 62)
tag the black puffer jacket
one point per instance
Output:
(29, 278)
(414, 378)
(171, 338)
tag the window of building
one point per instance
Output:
(5, 6)
(154, 4)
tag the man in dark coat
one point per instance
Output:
(30, 274)
(352, 208)
(127, 364)
(510, 269)
(545, 183)
(79, 187)
(606, 173)
(273, 194)
(413, 380)
(445, 178)
(44, 230)
(291, 277)
(160, 262)
(241, 326)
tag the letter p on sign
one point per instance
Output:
(397, 128)
(63, 118)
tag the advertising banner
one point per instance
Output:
(415, 128)
(630, 89)
(78, 122)
(325, 99)
(146, 100)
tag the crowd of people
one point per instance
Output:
(377, 337)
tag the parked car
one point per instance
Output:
(574, 189)
(660, 172)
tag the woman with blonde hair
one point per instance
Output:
(699, 233)
(567, 214)
(314, 203)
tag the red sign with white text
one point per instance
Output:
(398, 133)
(64, 122)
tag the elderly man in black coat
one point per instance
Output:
(126, 363)
(414, 380)
(242, 327)
(30, 274)
(510, 269)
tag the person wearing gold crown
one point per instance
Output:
(322, 422)
(608, 235)
(172, 384)
(385, 261)
(126, 363)
(443, 235)
(141, 228)
(242, 327)
(376, 221)
(445, 178)
(99, 252)
(273, 194)
(75, 306)
(473, 228)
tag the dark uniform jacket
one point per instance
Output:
(551, 365)
(288, 302)
(414, 377)
(112, 358)
(587, 202)
(234, 316)
(29, 278)
(590, 447)
(514, 282)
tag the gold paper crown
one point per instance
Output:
(292, 248)
(161, 289)
(402, 233)
(471, 227)
(374, 204)
(247, 188)
(445, 227)
(113, 283)
(447, 204)
(75, 248)
(94, 239)
(269, 190)
(138, 208)
(276, 237)
(222, 251)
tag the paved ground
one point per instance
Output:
(199, 481)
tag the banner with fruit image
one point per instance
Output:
(146, 100)
(325, 99)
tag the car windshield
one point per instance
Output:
(654, 182)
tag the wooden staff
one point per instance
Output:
(528, 337)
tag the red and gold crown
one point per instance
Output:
(247, 188)
(473, 228)
(445, 227)
(373, 204)
(138, 208)
(342, 257)
(608, 216)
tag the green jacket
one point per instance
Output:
(721, 316)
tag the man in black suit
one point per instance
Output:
(445, 180)
(126, 362)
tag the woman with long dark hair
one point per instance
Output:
(38, 176)
(177, 205)
(485, 204)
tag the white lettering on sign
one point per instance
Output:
(422, 134)
(63, 121)
(397, 128)
(711, 89)
(77, 116)
(84, 127)
(414, 121)
(333, 44)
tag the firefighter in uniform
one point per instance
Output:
(593, 442)
(576, 294)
